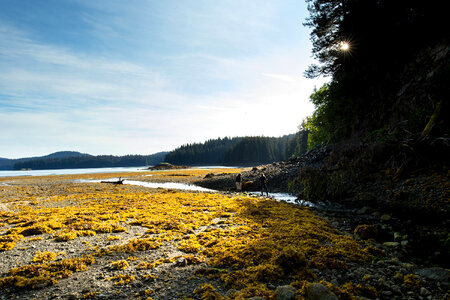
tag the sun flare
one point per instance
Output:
(344, 46)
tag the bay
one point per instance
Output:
(71, 171)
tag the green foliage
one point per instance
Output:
(332, 119)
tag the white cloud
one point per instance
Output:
(280, 77)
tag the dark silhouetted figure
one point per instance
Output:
(239, 182)
(263, 181)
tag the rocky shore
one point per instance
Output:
(406, 218)
(398, 270)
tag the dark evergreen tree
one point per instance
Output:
(382, 39)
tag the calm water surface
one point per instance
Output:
(70, 171)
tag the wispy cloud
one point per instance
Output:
(153, 76)
(280, 77)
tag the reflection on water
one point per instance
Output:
(155, 185)
(169, 185)
(190, 187)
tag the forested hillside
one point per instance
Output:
(383, 116)
(89, 161)
(235, 151)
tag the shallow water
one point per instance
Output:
(71, 171)
(155, 185)
(190, 187)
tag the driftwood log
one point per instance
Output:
(120, 181)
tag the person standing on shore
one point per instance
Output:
(263, 181)
(239, 182)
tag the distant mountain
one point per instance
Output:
(64, 154)
(76, 160)
(8, 164)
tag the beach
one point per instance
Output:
(66, 237)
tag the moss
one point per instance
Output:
(411, 280)
(208, 292)
(119, 265)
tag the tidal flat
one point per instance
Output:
(65, 239)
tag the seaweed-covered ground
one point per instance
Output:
(65, 239)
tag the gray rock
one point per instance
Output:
(230, 293)
(257, 298)
(317, 291)
(396, 289)
(181, 262)
(72, 297)
(424, 292)
(285, 292)
(364, 210)
(438, 274)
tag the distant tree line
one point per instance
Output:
(236, 151)
(100, 161)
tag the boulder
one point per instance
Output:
(317, 291)
(285, 292)
(437, 274)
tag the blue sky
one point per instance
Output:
(142, 76)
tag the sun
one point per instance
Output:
(344, 46)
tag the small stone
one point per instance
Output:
(376, 214)
(391, 244)
(364, 210)
(408, 266)
(72, 297)
(424, 292)
(285, 292)
(317, 291)
(385, 218)
(230, 293)
(396, 289)
(181, 262)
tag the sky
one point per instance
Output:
(143, 76)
